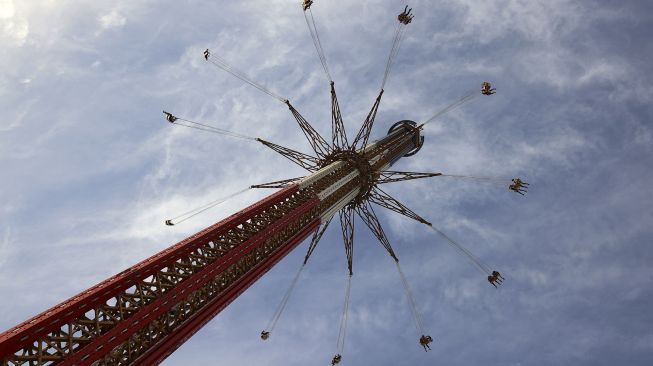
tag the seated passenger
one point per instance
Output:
(405, 17)
(497, 276)
(492, 280)
(517, 188)
(520, 182)
(169, 117)
(487, 89)
(424, 341)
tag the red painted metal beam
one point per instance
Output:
(161, 351)
(197, 263)
(25, 333)
(123, 330)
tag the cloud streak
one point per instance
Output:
(92, 169)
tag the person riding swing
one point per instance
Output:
(169, 117)
(518, 186)
(424, 341)
(520, 182)
(405, 17)
(487, 89)
(265, 335)
(495, 279)
(498, 276)
(492, 280)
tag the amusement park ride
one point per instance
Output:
(143, 314)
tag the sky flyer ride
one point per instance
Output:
(143, 314)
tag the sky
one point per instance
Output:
(91, 169)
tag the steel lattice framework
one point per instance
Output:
(143, 314)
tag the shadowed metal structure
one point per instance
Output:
(143, 314)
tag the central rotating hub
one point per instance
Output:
(358, 162)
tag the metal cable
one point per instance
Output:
(194, 212)
(392, 54)
(411, 301)
(458, 103)
(224, 65)
(342, 333)
(312, 27)
(491, 180)
(481, 266)
(284, 301)
(399, 30)
(209, 128)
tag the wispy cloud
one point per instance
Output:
(91, 169)
(114, 19)
(14, 28)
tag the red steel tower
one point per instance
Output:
(143, 314)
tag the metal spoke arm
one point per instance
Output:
(338, 133)
(389, 176)
(305, 161)
(277, 184)
(316, 239)
(347, 225)
(367, 214)
(364, 132)
(317, 142)
(385, 200)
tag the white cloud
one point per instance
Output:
(12, 26)
(7, 9)
(98, 169)
(602, 70)
(114, 19)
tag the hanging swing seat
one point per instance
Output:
(265, 335)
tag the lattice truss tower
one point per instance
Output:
(143, 314)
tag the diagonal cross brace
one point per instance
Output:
(389, 176)
(316, 239)
(305, 161)
(364, 133)
(347, 225)
(338, 133)
(277, 184)
(317, 142)
(367, 214)
(383, 199)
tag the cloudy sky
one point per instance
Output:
(91, 169)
